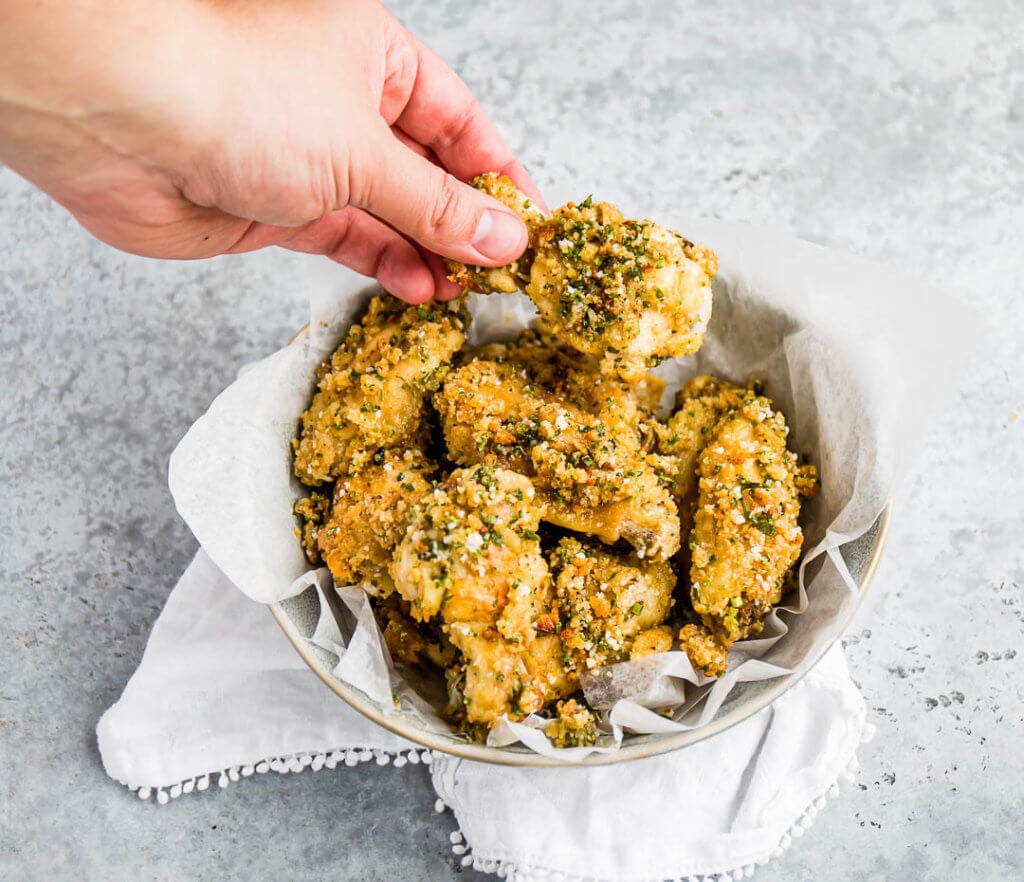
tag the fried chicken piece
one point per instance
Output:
(631, 292)
(574, 378)
(369, 515)
(513, 276)
(471, 557)
(745, 534)
(410, 641)
(499, 677)
(593, 471)
(372, 392)
(574, 726)
(606, 600)
(311, 512)
(705, 651)
(647, 519)
(700, 404)
(653, 641)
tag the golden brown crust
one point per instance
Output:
(745, 534)
(372, 392)
(513, 276)
(591, 466)
(706, 653)
(369, 515)
(631, 292)
(471, 558)
(575, 725)
(605, 600)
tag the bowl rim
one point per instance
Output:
(664, 744)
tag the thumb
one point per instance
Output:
(433, 207)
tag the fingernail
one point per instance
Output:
(499, 236)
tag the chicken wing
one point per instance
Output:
(410, 641)
(745, 533)
(593, 471)
(471, 557)
(369, 515)
(372, 392)
(515, 275)
(606, 601)
(631, 292)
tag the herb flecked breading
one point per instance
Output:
(630, 292)
(372, 392)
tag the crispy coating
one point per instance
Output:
(372, 393)
(745, 533)
(605, 600)
(700, 404)
(632, 292)
(410, 641)
(705, 651)
(513, 276)
(574, 377)
(369, 515)
(574, 726)
(499, 677)
(593, 470)
(653, 641)
(311, 512)
(471, 557)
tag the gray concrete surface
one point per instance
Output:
(892, 129)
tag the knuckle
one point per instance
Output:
(445, 216)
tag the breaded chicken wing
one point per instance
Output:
(372, 393)
(594, 472)
(369, 515)
(515, 275)
(606, 601)
(700, 404)
(745, 534)
(575, 725)
(630, 292)
(471, 557)
(706, 652)
(575, 378)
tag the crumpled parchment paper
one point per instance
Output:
(857, 357)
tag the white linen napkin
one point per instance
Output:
(221, 694)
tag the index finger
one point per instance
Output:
(437, 109)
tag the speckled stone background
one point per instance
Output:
(892, 129)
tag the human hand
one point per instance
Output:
(185, 129)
